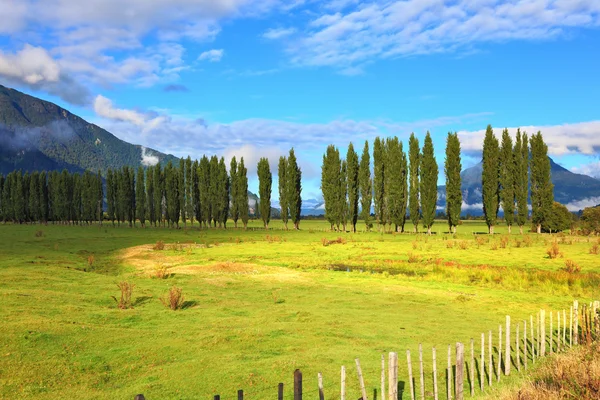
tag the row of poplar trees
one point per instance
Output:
(404, 186)
(51, 196)
(195, 190)
(513, 173)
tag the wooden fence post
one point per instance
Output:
(449, 383)
(518, 355)
(421, 372)
(410, 375)
(499, 368)
(482, 363)
(241, 394)
(217, 397)
(538, 336)
(507, 357)
(558, 332)
(343, 388)
(532, 339)
(382, 377)
(279, 392)
(564, 339)
(571, 327)
(472, 368)
(435, 383)
(392, 376)
(363, 390)
(320, 381)
(576, 313)
(551, 334)
(460, 365)
(297, 385)
(490, 364)
(139, 397)
(525, 342)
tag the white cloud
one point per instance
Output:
(32, 65)
(571, 138)
(213, 55)
(278, 33)
(591, 169)
(105, 108)
(386, 29)
(148, 159)
(584, 203)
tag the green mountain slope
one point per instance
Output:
(36, 134)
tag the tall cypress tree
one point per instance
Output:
(99, 198)
(242, 191)
(414, 157)
(140, 196)
(205, 190)
(181, 185)
(342, 201)
(366, 190)
(2, 205)
(34, 199)
(379, 181)
(18, 198)
(150, 195)
(158, 183)
(542, 189)
(265, 180)
(490, 178)
(353, 185)
(521, 157)
(214, 189)
(294, 188)
(76, 204)
(233, 177)
(44, 202)
(429, 177)
(283, 194)
(452, 170)
(330, 184)
(196, 192)
(507, 179)
(189, 190)
(394, 175)
(223, 193)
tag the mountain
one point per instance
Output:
(576, 191)
(39, 135)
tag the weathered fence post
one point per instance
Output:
(551, 334)
(532, 339)
(320, 381)
(435, 383)
(297, 385)
(279, 392)
(410, 375)
(499, 368)
(558, 332)
(217, 397)
(241, 394)
(363, 390)
(507, 357)
(343, 388)
(525, 342)
(382, 377)
(421, 372)
(543, 332)
(460, 365)
(139, 397)
(482, 363)
(449, 383)
(538, 336)
(472, 368)
(576, 312)
(564, 341)
(491, 363)
(518, 355)
(571, 327)
(392, 376)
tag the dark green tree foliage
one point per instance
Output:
(294, 188)
(353, 185)
(234, 187)
(242, 191)
(265, 180)
(507, 179)
(343, 197)
(330, 183)
(283, 193)
(2, 204)
(196, 192)
(214, 190)
(397, 187)
(414, 157)
(366, 190)
(490, 178)
(172, 194)
(521, 175)
(111, 195)
(34, 206)
(181, 190)
(429, 177)
(223, 197)
(6, 201)
(140, 196)
(205, 189)
(159, 189)
(44, 202)
(18, 199)
(150, 195)
(590, 220)
(379, 180)
(559, 219)
(542, 189)
(452, 168)
(189, 190)
(76, 204)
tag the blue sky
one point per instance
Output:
(253, 78)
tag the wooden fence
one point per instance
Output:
(462, 372)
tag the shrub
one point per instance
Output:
(595, 249)
(571, 267)
(161, 271)
(463, 245)
(173, 299)
(554, 251)
(518, 244)
(527, 241)
(504, 240)
(590, 220)
(90, 261)
(39, 233)
(126, 292)
(326, 242)
(413, 258)
(494, 246)
(415, 245)
(449, 244)
(480, 240)
(160, 245)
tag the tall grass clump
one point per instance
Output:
(553, 251)
(173, 299)
(126, 289)
(160, 245)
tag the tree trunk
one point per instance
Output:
(429, 230)
(539, 228)
(454, 230)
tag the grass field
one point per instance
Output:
(258, 304)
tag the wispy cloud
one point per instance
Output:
(213, 55)
(278, 33)
(176, 88)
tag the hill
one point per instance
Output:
(39, 135)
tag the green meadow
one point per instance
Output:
(259, 304)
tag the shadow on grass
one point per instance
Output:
(139, 301)
(189, 304)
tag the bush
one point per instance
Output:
(413, 258)
(173, 299)
(595, 249)
(90, 261)
(554, 251)
(571, 267)
(463, 245)
(449, 244)
(527, 241)
(126, 292)
(161, 271)
(590, 220)
(160, 245)
(39, 233)
(326, 242)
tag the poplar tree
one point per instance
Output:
(172, 194)
(429, 178)
(233, 176)
(330, 183)
(33, 197)
(379, 180)
(353, 185)
(197, 210)
(521, 157)
(542, 189)
(150, 195)
(294, 188)
(242, 190)
(452, 169)
(205, 190)
(265, 180)
(18, 199)
(140, 196)
(223, 198)
(507, 179)
(181, 189)
(342, 201)
(396, 177)
(414, 157)
(490, 178)
(44, 202)
(366, 190)
(214, 189)
(158, 178)
(283, 193)
(2, 205)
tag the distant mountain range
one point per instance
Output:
(39, 135)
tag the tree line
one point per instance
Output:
(403, 187)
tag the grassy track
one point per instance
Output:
(259, 305)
